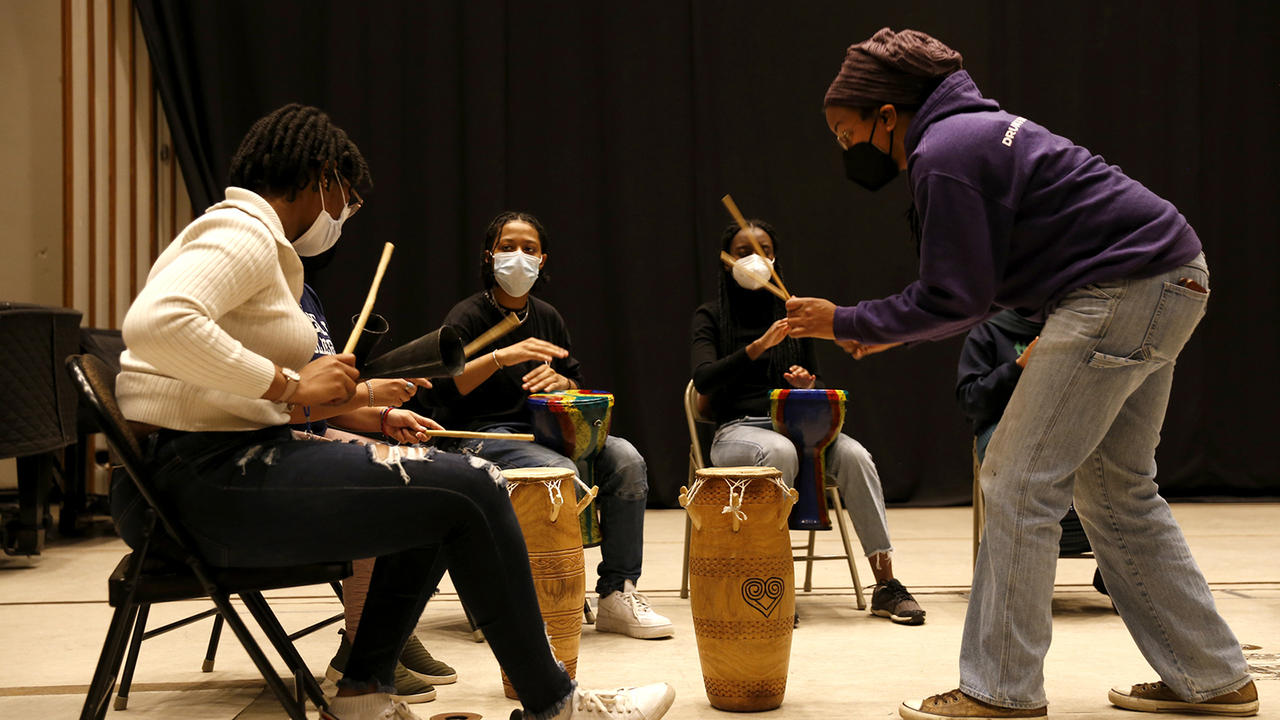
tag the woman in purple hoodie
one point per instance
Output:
(1009, 215)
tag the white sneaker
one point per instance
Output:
(628, 612)
(371, 706)
(649, 702)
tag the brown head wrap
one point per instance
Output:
(900, 68)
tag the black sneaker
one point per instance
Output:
(891, 600)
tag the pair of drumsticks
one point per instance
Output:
(507, 324)
(781, 290)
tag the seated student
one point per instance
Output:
(212, 341)
(490, 396)
(374, 409)
(740, 352)
(991, 361)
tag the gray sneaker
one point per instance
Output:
(891, 600)
(418, 661)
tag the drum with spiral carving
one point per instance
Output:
(741, 584)
(544, 503)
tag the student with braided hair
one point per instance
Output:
(1012, 216)
(740, 352)
(213, 339)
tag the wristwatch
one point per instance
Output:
(291, 381)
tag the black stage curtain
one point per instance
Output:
(621, 125)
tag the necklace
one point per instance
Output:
(520, 314)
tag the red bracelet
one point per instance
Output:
(382, 420)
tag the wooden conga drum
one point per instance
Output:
(543, 499)
(811, 419)
(741, 584)
(575, 423)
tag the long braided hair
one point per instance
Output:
(783, 355)
(285, 152)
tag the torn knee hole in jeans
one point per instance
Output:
(252, 452)
(393, 456)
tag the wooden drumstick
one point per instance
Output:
(504, 326)
(524, 437)
(368, 301)
(742, 223)
(728, 260)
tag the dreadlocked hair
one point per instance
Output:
(783, 355)
(494, 230)
(286, 151)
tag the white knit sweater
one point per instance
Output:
(219, 311)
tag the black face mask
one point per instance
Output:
(866, 165)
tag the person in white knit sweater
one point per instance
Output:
(218, 353)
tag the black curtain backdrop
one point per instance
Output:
(621, 125)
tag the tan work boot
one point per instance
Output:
(1157, 697)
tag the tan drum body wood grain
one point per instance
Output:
(555, 558)
(742, 589)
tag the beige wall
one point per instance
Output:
(31, 144)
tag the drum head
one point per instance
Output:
(536, 474)
(744, 471)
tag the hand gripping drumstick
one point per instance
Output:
(742, 223)
(728, 260)
(504, 326)
(387, 249)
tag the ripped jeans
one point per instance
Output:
(262, 498)
(623, 480)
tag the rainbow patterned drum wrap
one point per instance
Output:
(575, 424)
(811, 419)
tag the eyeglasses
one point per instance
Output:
(354, 201)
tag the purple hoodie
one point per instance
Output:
(1012, 216)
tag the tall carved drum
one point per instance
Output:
(811, 419)
(551, 534)
(741, 584)
(575, 423)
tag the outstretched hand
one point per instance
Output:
(811, 317)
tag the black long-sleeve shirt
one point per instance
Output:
(500, 398)
(988, 372)
(737, 385)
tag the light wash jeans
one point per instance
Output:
(752, 441)
(623, 479)
(1085, 420)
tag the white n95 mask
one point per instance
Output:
(753, 271)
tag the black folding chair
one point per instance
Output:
(166, 568)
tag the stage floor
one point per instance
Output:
(844, 663)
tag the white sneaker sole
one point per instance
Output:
(640, 632)
(667, 701)
(911, 711)
(1122, 699)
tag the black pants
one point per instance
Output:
(262, 498)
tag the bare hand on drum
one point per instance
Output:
(859, 350)
(529, 349)
(394, 392)
(405, 426)
(544, 379)
(811, 317)
(799, 377)
(327, 380)
(776, 333)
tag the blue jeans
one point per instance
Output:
(1084, 421)
(623, 480)
(262, 498)
(752, 441)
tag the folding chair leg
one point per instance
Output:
(588, 615)
(291, 705)
(843, 520)
(304, 681)
(214, 636)
(476, 633)
(808, 562)
(131, 662)
(684, 572)
(104, 675)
